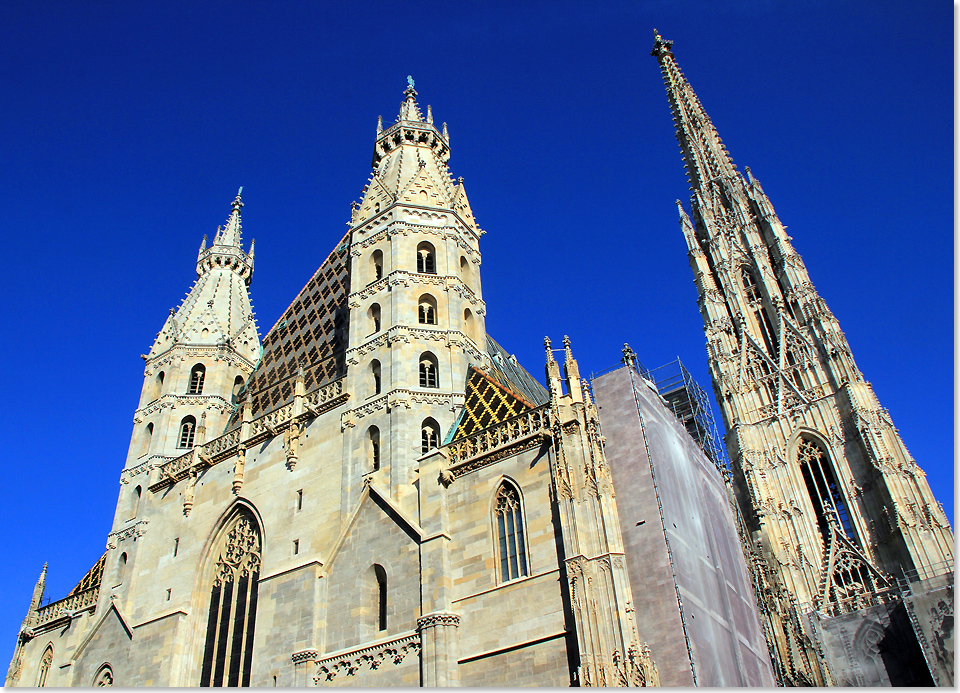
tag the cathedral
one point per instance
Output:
(375, 492)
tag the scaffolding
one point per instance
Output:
(691, 405)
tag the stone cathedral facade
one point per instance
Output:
(836, 507)
(376, 494)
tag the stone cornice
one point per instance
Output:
(172, 401)
(134, 531)
(404, 333)
(445, 282)
(180, 352)
(347, 662)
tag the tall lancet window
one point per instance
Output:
(822, 486)
(228, 651)
(508, 523)
(752, 290)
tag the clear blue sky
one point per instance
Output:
(127, 128)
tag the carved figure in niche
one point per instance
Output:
(291, 441)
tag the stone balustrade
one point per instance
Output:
(529, 424)
(68, 605)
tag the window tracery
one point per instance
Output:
(508, 520)
(428, 371)
(228, 649)
(426, 259)
(823, 489)
(104, 677)
(46, 661)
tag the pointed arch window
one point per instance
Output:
(427, 312)
(376, 263)
(46, 661)
(823, 489)
(511, 544)
(104, 677)
(228, 648)
(122, 568)
(158, 385)
(426, 258)
(429, 436)
(428, 371)
(188, 428)
(197, 374)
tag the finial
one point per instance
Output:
(546, 344)
(379, 124)
(429, 114)
(446, 135)
(237, 204)
(410, 81)
(566, 342)
(660, 47)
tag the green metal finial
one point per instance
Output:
(410, 81)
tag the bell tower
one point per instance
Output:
(416, 308)
(198, 364)
(818, 466)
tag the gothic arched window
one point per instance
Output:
(750, 286)
(374, 314)
(508, 521)
(157, 386)
(823, 489)
(373, 437)
(427, 313)
(468, 322)
(429, 436)
(122, 568)
(376, 264)
(228, 649)
(197, 374)
(375, 373)
(188, 427)
(104, 677)
(46, 661)
(237, 387)
(381, 576)
(428, 371)
(426, 258)
(147, 437)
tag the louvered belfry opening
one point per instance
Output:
(228, 650)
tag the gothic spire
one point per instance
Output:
(230, 233)
(704, 155)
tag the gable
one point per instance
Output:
(487, 403)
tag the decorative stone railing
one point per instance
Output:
(68, 605)
(524, 427)
(371, 657)
(314, 403)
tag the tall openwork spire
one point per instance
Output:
(704, 155)
(800, 417)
